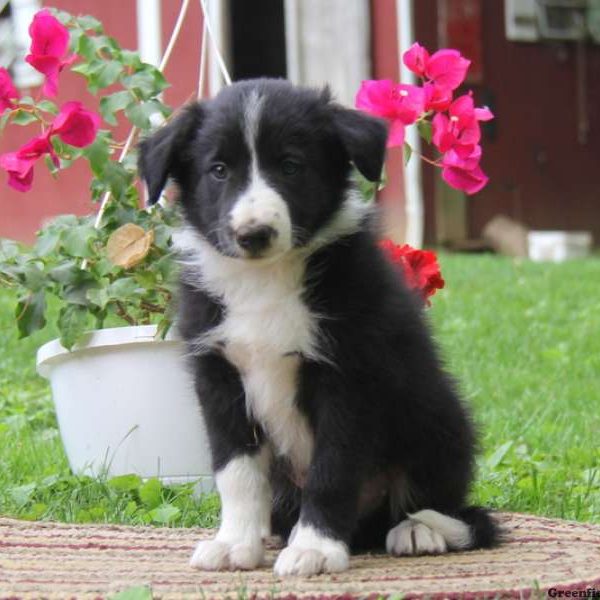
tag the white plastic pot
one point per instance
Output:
(125, 404)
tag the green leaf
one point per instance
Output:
(9, 249)
(139, 113)
(146, 83)
(123, 288)
(97, 296)
(498, 455)
(33, 276)
(86, 69)
(112, 103)
(107, 74)
(117, 178)
(23, 117)
(425, 130)
(22, 493)
(165, 514)
(134, 593)
(35, 513)
(98, 153)
(66, 273)
(151, 492)
(407, 151)
(367, 188)
(30, 313)
(72, 322)
(125, 483)
(46, 242)
(77, 241)
(85, 48)
(87, 22)
(130, 58)
(48, 107)
(163, 328)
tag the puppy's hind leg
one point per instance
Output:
(431, 532)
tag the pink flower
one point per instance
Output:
(460, 131)
(447, 68)
(8, 92)
(400, 104)
(49, 43)
(75, 125)
(20, 171)
(437, 98)
(37, 147)
(463, 172)
(19, 164)
(416, 59)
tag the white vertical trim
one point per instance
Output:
(217, 13)
(149, 31)
(22, 13)
(292, 40)
(413, 189)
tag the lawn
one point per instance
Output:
(523, 339)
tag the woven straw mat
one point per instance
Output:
(57, 561)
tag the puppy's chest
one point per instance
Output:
(266, 329)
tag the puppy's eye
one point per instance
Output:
(219, 171)
(290, 167)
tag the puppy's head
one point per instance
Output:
(263, 166)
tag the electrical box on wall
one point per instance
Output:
(520, 20)
(562, 19)
(535, 20)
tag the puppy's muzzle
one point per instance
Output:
(255, 239)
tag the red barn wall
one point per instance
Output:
(21, 214)
(539, 172)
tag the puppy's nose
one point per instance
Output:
(255, 238)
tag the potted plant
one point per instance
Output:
(124, 401)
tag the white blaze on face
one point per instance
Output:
(260, 204)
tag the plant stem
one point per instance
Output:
(121, 312)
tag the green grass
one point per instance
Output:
(522, 339)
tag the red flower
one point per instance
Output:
(75, 125)
(420, 267)
(8, 92)
(19, 164)
(400, 104)
(49, 43)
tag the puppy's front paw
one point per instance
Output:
(311, 552)
(410, 538)
(213, 555)
(309, 561)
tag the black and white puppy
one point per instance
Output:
(330, 419)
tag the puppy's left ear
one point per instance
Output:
(364, 139)
(165, 153)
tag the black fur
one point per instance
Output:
(384, 414)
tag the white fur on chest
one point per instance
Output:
(266, 327)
